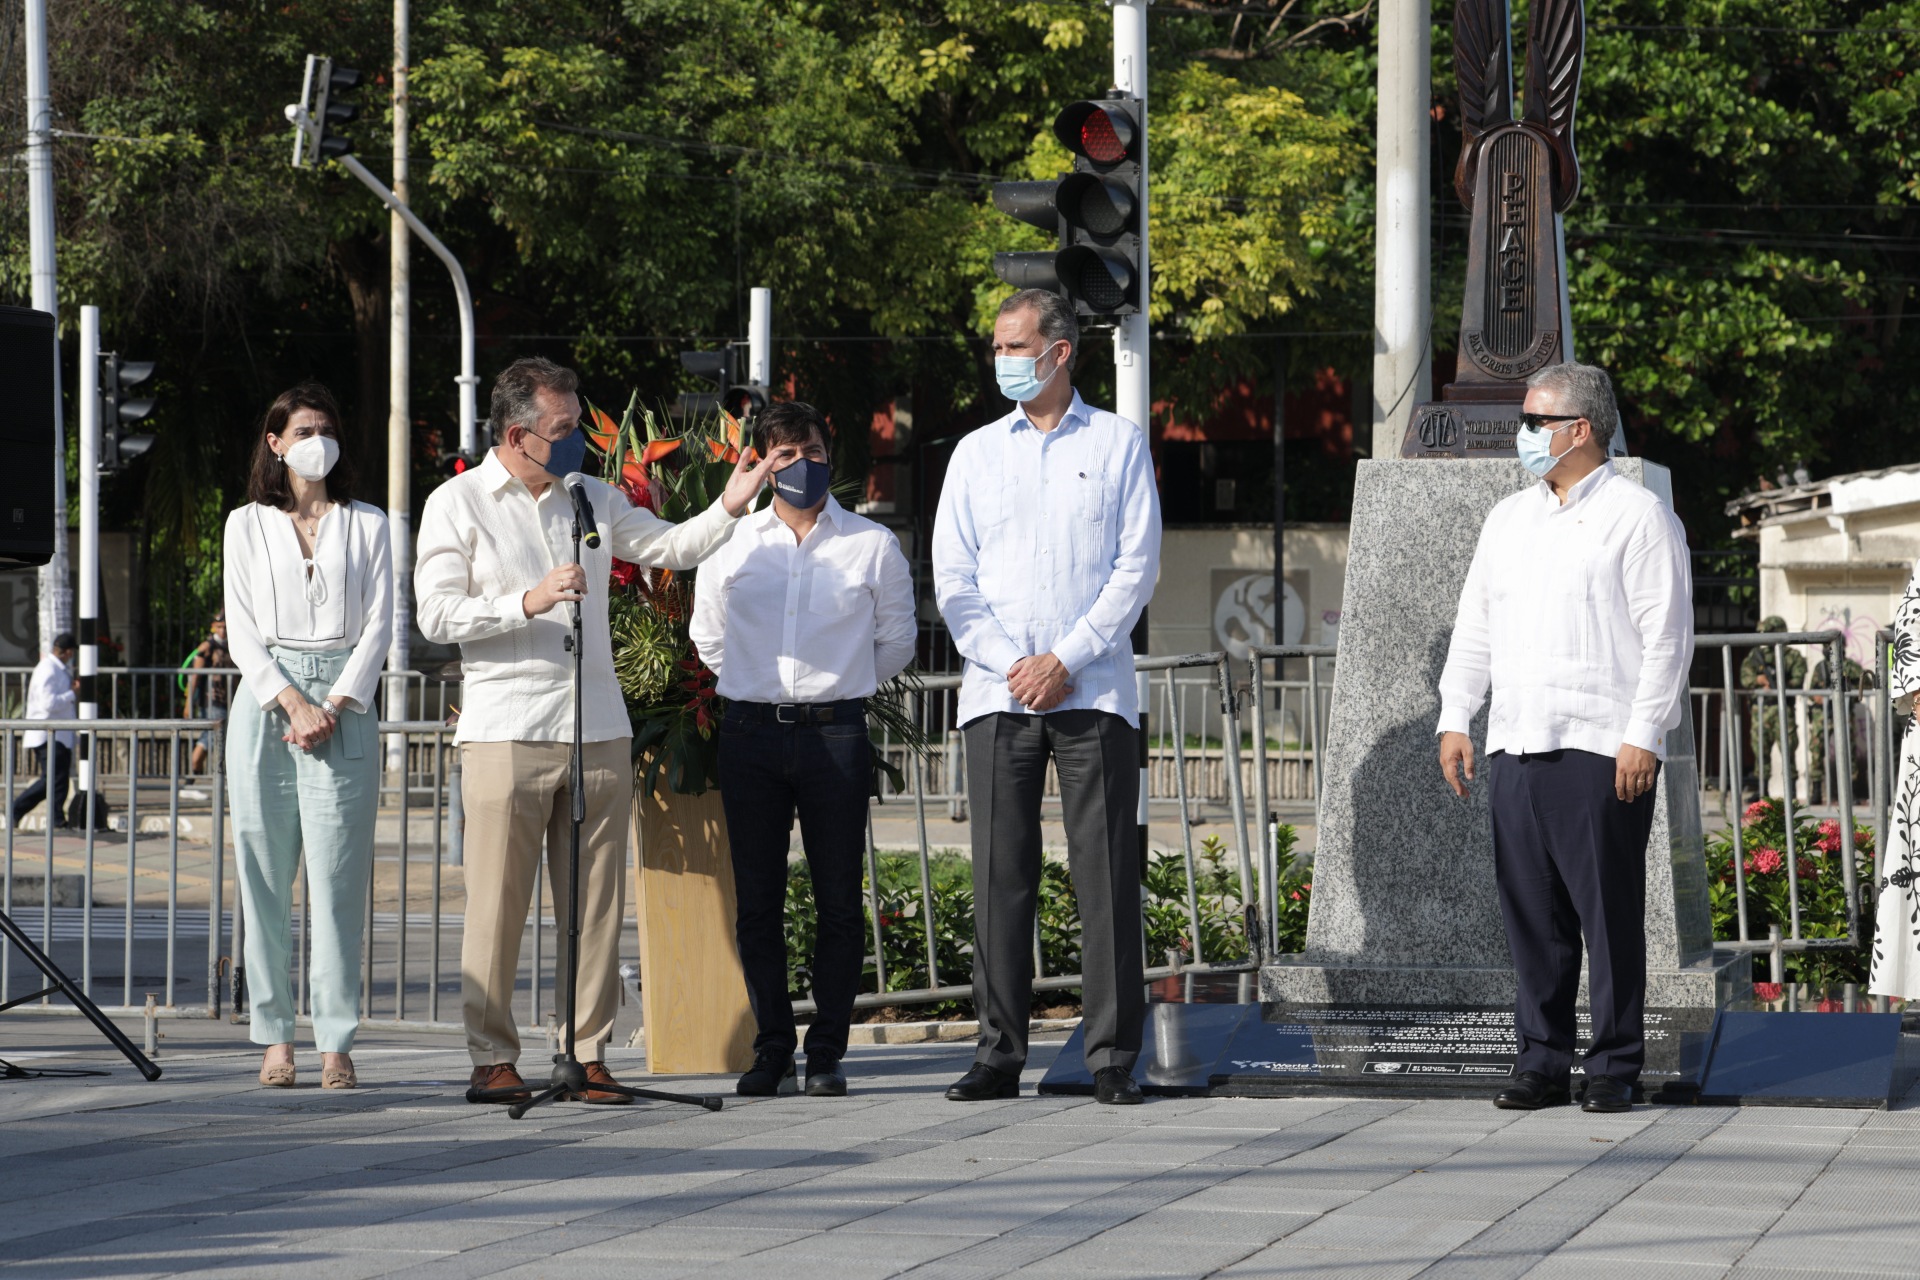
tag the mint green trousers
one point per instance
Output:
(288, 803)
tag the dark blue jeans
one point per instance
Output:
(768, 773)
(59, 771)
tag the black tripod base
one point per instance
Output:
(63, 985)
(568, 1082)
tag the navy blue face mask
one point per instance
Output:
(564, 457)
(803, 482)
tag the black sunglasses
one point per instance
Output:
(1538, 420)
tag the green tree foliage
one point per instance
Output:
(1744, 246)
(616, 173)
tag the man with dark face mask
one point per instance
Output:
(802, 615)
(495, 559)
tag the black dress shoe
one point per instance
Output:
(1604, 1093)
(824, 1078)
(1531, 1091)
(984, 1083)
(1115, 1087)
(770, 1075)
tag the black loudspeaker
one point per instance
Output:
(26, 436)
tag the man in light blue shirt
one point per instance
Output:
(1045, 551)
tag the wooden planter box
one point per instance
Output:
(693, 997)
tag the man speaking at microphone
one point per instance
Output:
(494, 568)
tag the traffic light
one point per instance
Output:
(321, 109)
(119, 411)
(1096, 209)
(458, 464)
(717, 368)
(745, 402)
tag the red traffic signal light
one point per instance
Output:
(456, 464)
(1102, 132)
(1096, 209)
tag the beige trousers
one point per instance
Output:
(515, 793)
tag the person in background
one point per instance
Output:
(208, 695)
(52, 694)
(309, 587)
(1045, 551)
(802, 615)
(1759, 671)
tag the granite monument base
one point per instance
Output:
(1419, 1050)
(1404, 909)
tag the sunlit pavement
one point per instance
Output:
(205, 1170)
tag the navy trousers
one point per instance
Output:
(58, 771)
(1570, 859)
(823, 772)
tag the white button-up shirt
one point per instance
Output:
(344, 600)
(1580, 619)
(50, 696)
(819, 620)
(485, 541)
(1048, 542)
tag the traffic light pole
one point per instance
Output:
(400, 520)
(56, 590)
(468, 380)
(1132, 359)
(760, 338)
(399, 407)
(90, 427)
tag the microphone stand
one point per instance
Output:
(569, 1078)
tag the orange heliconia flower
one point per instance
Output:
(723, 452)
(658, 449)
(601, 430)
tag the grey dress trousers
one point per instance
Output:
(1097, 756)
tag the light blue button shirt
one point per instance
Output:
(1048, 543)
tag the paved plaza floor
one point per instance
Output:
(205, 1171)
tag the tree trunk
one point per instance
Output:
(362, 263)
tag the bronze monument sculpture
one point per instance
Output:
(1516, 177)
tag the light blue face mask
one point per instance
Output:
(1535, 447)
(1015, 374)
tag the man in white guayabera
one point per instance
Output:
(1578, 615)
(1044, 553)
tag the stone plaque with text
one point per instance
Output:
(1452, 1049)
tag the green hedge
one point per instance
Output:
(1169, 926)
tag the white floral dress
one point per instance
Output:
(1896, 937)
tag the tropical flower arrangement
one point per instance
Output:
(1817, 850)
(669, 691)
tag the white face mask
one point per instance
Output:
(313, 457)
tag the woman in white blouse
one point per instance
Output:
(309, 593)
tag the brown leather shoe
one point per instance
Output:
(497, 1083)
(597, 1074)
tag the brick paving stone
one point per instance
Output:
(1480, 1266)
(1563, 1268)
(1708, 1240)
(413, 1182)
(906, 1250)
(1176, 1222)
(676, 1242)
(1106, 1257)
(1288, 1261)
(1348, 1229)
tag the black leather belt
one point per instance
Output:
(846, 710)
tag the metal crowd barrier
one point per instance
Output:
(157, 693)
(1230, 740)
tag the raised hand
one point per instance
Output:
(743, 486)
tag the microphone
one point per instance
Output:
(582, 509)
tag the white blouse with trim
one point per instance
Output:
(341, 599)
